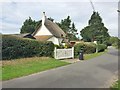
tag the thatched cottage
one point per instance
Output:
(49, 31)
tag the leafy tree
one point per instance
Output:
(73, 29)
(85, 33)
(95, 30)
(65, 24)
(73, 32)
(68, 28)
(28, 26)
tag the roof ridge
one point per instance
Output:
(54, 29)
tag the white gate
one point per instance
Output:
(64, 53)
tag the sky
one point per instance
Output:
(14, 13)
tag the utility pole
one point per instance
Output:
(92, 5)
(118, 18)
(118, 7)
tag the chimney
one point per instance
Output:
(43, 18)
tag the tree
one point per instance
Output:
(85, 33)
(68, 28)
(65, 24)
(95, 30)
(73, 29)
(28, 26)
(73, 32)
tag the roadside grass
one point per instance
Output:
(90, 56)
(26, 66)
(116, 85)
(0, 71)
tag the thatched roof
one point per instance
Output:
(43, 37)
(53, 28)
(25, 35)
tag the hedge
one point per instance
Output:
(87, 48)
(15, 47)
(101, 47)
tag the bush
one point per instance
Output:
(63, 46)
(117, 44)
(14, 47)
(87, 48)
(101, 47)
(59, 46)
(115, 41)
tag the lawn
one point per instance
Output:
(22, 67)
(93, 55)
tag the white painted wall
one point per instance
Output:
(54, 40)
(43, 31)
(43, 18)
(60, 40)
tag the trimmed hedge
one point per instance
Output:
(87, 48)
(15, 47)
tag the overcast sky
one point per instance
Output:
(14, 13)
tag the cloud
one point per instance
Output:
(15, 13)
(59, 1)
(9, 28)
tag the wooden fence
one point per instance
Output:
(64, 53)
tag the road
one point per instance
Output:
(94, 73)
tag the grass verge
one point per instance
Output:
(116, 86)
(22, 67)
(90, 56)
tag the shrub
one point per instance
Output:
(14, 47)
(90, 48)
(117, 44)
(63, 46)
(59, 46)
(87, 48)
(77, 48)
(101, 47)
(115, 41)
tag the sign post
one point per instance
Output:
(96, 46)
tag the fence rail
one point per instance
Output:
(64, 53)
